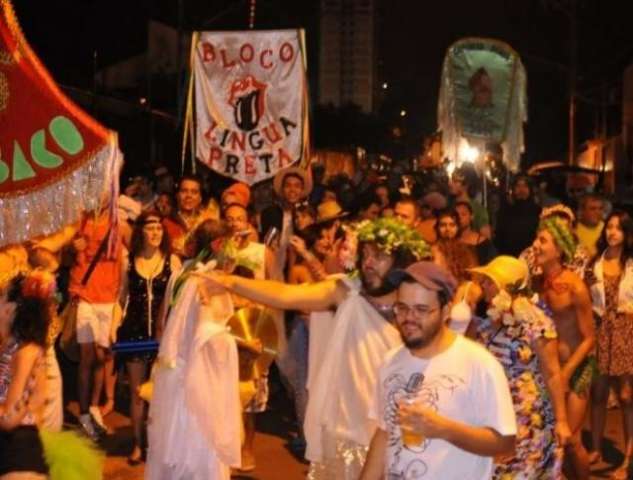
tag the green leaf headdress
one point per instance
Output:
(562, 235)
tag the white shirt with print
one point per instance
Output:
(464, 383)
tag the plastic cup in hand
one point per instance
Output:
(410, 437)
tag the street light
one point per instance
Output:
(468, 153)
(385, 85)
(403, 113)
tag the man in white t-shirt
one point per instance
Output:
(444, 389)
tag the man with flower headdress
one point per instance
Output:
(341, 386)
(568, 298)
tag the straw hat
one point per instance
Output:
(278, 181)
(504, 270)
(329, 210)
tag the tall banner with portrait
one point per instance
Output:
(483, 98)
(55, 160)
(251, 106)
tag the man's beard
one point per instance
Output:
(384, 288)
(427, 336)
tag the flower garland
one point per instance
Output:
(515, 308)
(558, 209)
(390, 234)
(206, 260)
(387, 233)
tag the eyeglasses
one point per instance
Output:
(403, 310)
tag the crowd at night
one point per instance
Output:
(253, 221)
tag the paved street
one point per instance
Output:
(275, 428)
(275, 462)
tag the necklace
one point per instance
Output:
(549, 278)
(155, 262)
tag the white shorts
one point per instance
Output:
(94, 323)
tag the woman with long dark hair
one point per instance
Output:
(24, 319)
(610, 277)
(479, 243)
(449, 252)
(149, 267)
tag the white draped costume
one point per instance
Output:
(194, 417)
(348, 350)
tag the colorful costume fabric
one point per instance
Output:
(537, 454)
(612, 298)
(56, 161)
(21, 449)
(613, 335)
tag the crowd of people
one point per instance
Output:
(418, 335)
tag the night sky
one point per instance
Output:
(414, 36)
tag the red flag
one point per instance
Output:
(55, 160)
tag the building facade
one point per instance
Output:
(348, 53)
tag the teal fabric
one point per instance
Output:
(476, 64)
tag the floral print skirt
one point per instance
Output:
(537, 455)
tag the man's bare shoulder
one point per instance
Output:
(574, 280)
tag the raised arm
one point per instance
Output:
(311, 297)
(56, 241)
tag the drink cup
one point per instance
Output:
(410, 437)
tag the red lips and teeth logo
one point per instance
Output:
(247, 99)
